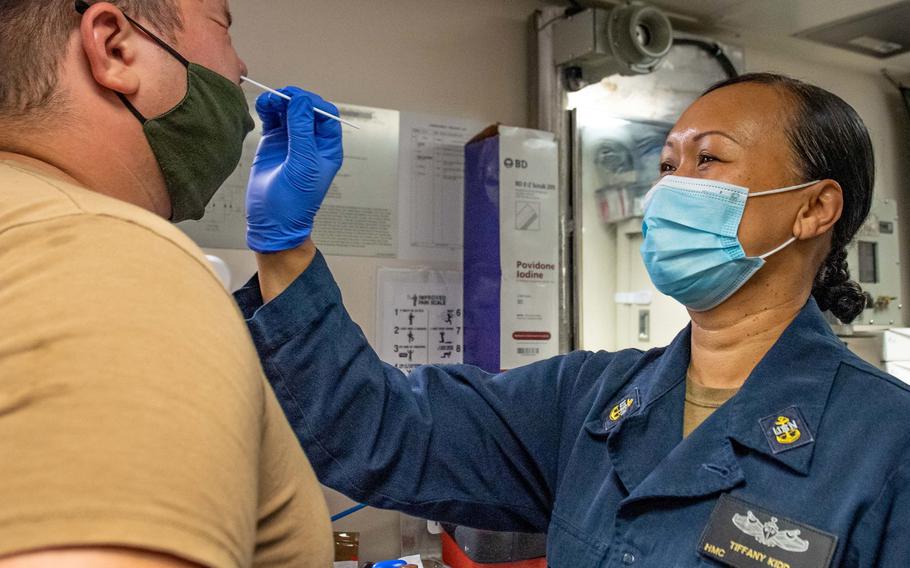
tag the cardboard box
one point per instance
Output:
(511, 248)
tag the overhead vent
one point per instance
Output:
(880, 33)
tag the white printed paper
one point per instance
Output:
(431, 186)
(529, 251)
(420, 317)
(359, 216)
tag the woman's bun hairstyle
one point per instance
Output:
(834, 291)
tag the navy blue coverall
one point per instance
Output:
(588, 446)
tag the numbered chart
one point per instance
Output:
(420, 317)
(428, 334)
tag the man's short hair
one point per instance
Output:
(33, 40)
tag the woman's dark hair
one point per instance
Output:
(829, 141)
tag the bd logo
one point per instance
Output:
(520, 164)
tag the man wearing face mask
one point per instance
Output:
(136, 425)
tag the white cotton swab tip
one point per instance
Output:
(283, 96)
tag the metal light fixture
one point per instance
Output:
(630, 39)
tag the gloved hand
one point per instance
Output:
(297, 159)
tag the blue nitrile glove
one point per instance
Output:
(297, 159)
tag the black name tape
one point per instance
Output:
(744, 535)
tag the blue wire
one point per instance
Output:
(350, 511)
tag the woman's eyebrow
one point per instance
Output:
(701, 135)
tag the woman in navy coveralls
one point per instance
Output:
(808, 465)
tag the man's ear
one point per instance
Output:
(823, 209)
(109, 42)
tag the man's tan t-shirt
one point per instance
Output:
(133, 408)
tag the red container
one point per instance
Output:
(456, 558)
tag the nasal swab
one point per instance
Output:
(283, 96)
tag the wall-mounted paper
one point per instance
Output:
(419, 317)
(359, 216)
(431, 186)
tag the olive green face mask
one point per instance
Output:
(197, 143)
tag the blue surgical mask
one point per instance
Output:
(691, 246)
